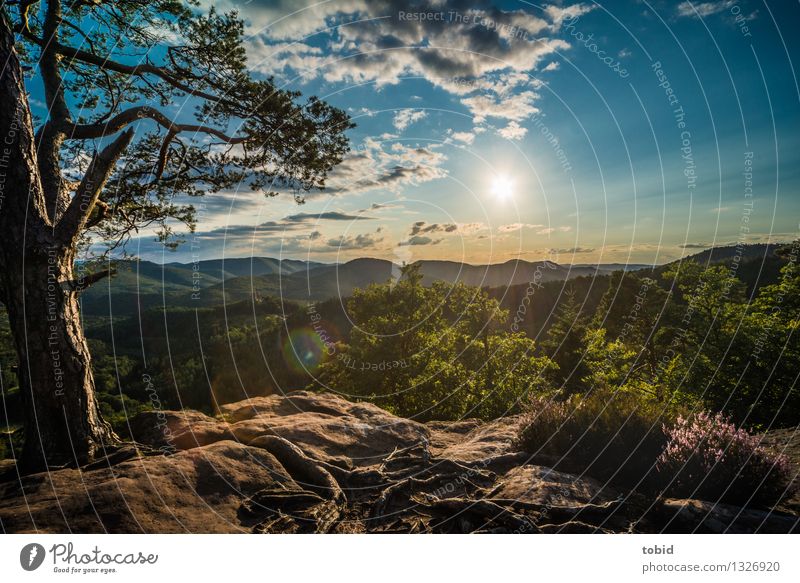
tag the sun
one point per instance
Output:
(502, 187)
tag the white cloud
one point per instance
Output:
(558, 13)
(515, 107)
(515, 227)
(571, 251)
(374, 166)
(701, 9)
(550, 230)
(487, 57)
(419, 240)
(465, 137)
(552, 66)
(513, 131)
(287, 19)
(362, 241)
(422, 227)
(405, 117)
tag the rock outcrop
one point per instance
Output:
(308, 462)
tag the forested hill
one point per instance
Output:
(209, 283)
(139, 285)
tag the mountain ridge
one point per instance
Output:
(140, 284)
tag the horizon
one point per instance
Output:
(689, 254)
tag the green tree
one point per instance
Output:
(773, 336)
(627, 346)
(566, 345)
(708, 330)
(438, 352)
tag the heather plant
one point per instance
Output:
(611, 435)
(708, 457)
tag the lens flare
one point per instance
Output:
(303, 350)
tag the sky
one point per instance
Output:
(632, 131)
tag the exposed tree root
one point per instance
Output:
(316, 507)
(408, 492)
(277, 510)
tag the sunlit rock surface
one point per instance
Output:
(309, 462)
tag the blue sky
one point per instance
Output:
(491, 131)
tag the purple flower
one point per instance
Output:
(707, 456)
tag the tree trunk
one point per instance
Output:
(62, 420)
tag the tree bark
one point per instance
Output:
(63, 424)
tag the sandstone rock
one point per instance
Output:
(787, 442)
(198, 490)
(544, 486)
(171, 430)
(309, 462)
(326, 426)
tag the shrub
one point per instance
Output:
(708, 457)
(612, 436)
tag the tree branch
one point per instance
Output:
(162, 154)
(127, 117)
(99, 216)
(85, 199)
(52, 134)
(86, 281)
(24, 203)
(132, 70)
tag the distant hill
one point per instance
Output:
(758, 264)
(608, 267)
(140, 285)
(727, 253)
(512, 272)
(246, 266)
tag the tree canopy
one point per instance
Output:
(152, 102)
